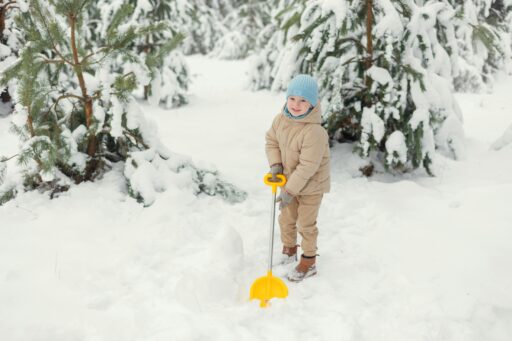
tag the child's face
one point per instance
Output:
(297, 105)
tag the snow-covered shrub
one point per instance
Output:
(147, 170)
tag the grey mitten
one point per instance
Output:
(284, 199)
(276, 169)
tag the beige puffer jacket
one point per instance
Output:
(302, 147)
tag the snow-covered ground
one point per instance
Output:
(401, 258)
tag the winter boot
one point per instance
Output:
(289, 255)
(305, 269)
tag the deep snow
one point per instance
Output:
(401, 258)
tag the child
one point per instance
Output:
(298, 147)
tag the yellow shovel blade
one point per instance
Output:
(267, 287)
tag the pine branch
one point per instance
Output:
(82, 6)
(124, 12)
(129, 134)
(42, 17)
(54, 105)
(104, 49)
(5, 159)
(31, 129)
(6, 6)
(53, 61)
(486, 36)
(7, 195)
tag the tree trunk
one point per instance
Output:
(5, 96)
(87, 100)
(369, 39)
(2, 22)
(147, 87)
(367, 98)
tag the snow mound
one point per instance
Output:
(215, 282)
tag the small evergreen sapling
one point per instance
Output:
(75, 112)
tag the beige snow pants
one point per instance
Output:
(301, 215)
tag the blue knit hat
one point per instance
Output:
(303, 86)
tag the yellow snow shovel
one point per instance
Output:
(267, 287)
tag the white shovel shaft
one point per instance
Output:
(272, 223)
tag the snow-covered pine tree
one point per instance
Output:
(271, 42)
(225, 28)
(384, 75)
(481, 28)
(168, 70)
(76, 114)
(244, 23)
(203, 27)
(9, 38)
(483, 34)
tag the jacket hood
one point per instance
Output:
(315, 116)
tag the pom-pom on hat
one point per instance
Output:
(303, 86)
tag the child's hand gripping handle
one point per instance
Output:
(274, 184)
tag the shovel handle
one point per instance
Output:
(268, 181)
